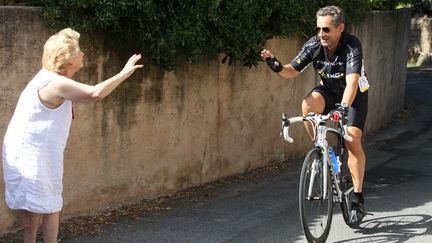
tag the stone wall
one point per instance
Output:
(420, 48)
(161, 132)
(385, 40)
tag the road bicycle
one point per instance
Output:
(322, 183)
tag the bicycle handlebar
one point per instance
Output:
(317, 118)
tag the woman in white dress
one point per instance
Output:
(36, 136)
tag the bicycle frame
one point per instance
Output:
(320, 129)
(319, 186)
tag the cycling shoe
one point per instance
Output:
(357, 214)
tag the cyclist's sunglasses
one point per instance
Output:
(325, 29)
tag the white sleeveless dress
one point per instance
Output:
(33, 150)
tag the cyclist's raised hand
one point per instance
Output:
(271, 61)
(266, 54)
(131, 65)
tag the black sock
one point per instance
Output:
(358, 198)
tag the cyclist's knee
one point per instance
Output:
(314, 102)
(356, 133)
(306, 108)
(356, 144)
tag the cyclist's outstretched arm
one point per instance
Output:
(285, 71)
(288, 72)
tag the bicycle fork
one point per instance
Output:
(315, 168)
(319, 168)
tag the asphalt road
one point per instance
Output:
(264, 208)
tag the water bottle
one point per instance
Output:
(334, 161)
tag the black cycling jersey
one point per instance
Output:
(332, 70)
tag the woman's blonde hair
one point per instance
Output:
(59, 48)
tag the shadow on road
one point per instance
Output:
(398, 228)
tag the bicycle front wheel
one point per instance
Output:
(315, 212)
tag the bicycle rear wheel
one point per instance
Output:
(346, 201)
(346, 186)
(315, 213)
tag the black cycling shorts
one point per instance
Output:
(357, 111)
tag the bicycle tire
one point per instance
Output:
(346, 208)
(316, 214)
(346, 185)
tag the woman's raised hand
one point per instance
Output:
(131, 65)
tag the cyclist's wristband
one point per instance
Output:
(344, 108)
(274, 64)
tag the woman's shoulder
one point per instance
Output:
(46, 75)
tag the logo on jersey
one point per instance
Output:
(334, 63)
(331, 75)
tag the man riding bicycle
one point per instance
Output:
(336, 55)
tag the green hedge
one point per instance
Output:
(422, 6)
(168, 31)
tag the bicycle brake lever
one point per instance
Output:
(345, 132)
